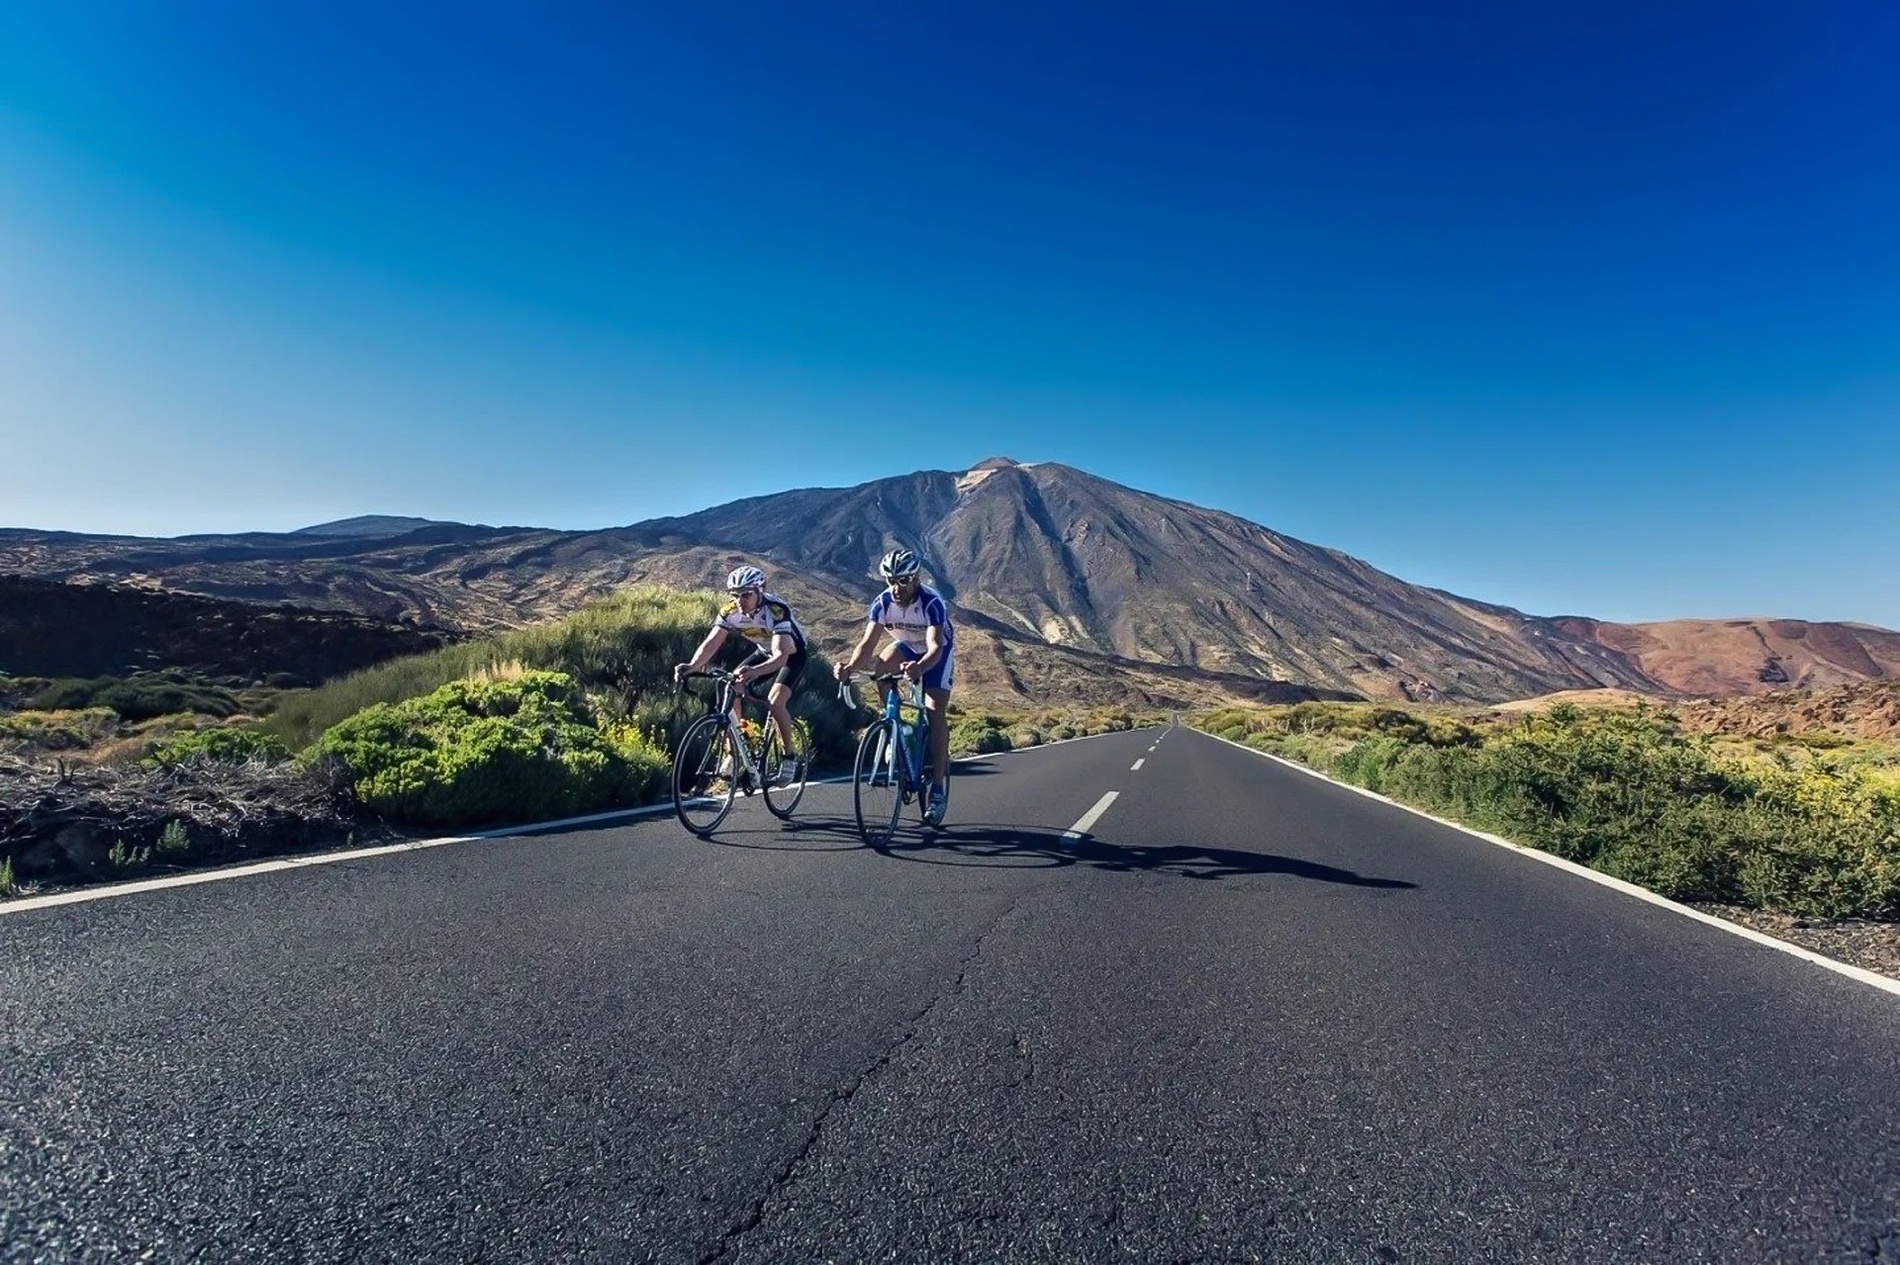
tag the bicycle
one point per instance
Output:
(891, 758)
(715, 761)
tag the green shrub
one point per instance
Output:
(476, 752)
(172, 840)
(977, 736)
(1627, 793)
(52, 731)
(141, 696)
(619, 651)
(227, 744)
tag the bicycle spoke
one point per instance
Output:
(877, 793)
(703, 775)
(786, 772)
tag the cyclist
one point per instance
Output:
(779, 647)
(923, 642)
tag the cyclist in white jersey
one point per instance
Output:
(767, 622)
(922, 646)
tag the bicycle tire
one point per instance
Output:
(703, 784)
(877, 795)
(782, 801)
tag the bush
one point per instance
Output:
(977, 736)
(1625, 793)
(229, 743)
(142, 696)
(619, 651)
(38, 732)
(478, 752)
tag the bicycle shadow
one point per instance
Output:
(996, 845)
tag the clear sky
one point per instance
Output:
(1587, 308)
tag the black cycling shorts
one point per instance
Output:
(788, 672)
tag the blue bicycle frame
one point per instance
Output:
(892, 761)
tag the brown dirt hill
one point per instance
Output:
(1747, 656)
(49, 629)
(1863, 710)
(1866, 711)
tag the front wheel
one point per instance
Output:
(703, 775)
(876, 793)
(786, 771)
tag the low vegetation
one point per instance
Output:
(1797, 827)
(565, 718)
(988, 731)
(484, 751)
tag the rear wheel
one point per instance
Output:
(703, 782)
(875, 790)
(786, 771)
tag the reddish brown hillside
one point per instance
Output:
(1710, 657)
(1865, 710)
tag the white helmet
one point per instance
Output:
(743, 578)
(898, 564)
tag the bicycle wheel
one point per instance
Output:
(786, 771)
(876, 793)
(703, 782)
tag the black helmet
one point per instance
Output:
(898, 564)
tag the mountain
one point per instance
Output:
(372, 525)
(1070, 559)
(1064, 585)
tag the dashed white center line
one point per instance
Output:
(1136, 766)
(1081, 827)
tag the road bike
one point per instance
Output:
(892, 755)
(718, 759)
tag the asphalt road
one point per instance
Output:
(1248, 1016)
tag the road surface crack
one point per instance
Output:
(842, 1095)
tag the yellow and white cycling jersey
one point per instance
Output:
(773, 616)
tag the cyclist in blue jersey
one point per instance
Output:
(767, 622)
(922, 646)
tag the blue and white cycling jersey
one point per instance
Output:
(908, 623)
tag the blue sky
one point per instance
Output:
(1584, 309)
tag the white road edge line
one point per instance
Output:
(81, 894)
(1861, 973)
(1136, 766)
(1089, 818)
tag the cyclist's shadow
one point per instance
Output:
(1010, 846)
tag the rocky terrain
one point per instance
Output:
(54, 629)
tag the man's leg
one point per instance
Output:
(781, 695)
(889, 659)
(937, 706)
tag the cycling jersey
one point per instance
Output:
(772, 617)
(908, 623)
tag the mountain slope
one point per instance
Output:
(1071, 559)
(1060, 580)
